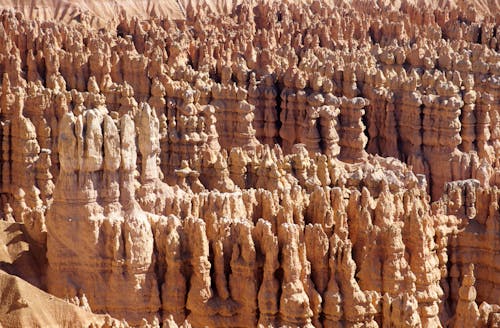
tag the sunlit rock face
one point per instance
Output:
(243, 165)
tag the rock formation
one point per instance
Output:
(251, 164)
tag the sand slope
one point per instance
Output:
(23, 305)
(101, 13)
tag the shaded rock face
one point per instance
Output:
(274, 167)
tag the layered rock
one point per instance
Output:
(284, 165)
(477, 209)
(234, 114)
(352, 138)
(467, 313)
(441, 133)
(98, 234)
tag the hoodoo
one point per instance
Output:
(249, 163)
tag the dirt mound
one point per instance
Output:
(24, 305)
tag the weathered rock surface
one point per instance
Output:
(288, 164)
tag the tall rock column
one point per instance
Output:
(332, 304)
(174, 288)
(24, 156)
(352, 138)
(441, 134)
(468, 132)
(295, 308)
(255, 98)
(410, 124)
(268, 291)
(200, 291)
(467, 312)
(288, 113)
(328, 120)
(88, 245)
(270, 111)
(358, 306)
(243, 278)
(483, 133)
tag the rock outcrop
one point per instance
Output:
(288, 164)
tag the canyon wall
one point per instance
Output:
(286, 164)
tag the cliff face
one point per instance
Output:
(286, 165)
